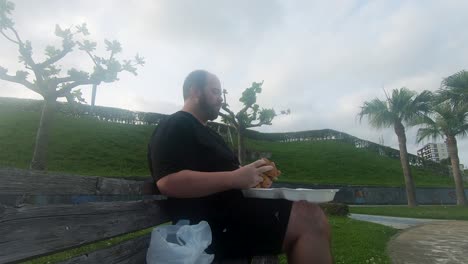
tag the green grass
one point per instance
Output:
(87, 146)
(358, 242)
(431, 212)
(332, 162)
(77, 145)
(353, 242)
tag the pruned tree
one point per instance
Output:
(47, 78)
(249, 116)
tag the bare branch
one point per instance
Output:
(258, 124)
(243, 110)
(66, 89)
(92, 58)
(22, 81)
(227, 118)
(89, 53)
(56, 58)
(10, 39)
(16, 34)
(63, 79)
(111, 55)
(231, 116)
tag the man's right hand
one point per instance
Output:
(248, 176)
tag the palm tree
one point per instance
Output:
(455, 88)
(403, 107)
(449, 121)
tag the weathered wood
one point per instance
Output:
(129, 252)
(134, 252)
(36, 230)
(16, 200)
(265, 260)
(16, 181)
(232, 261)
(255, 260)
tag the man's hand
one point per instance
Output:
(248, 176)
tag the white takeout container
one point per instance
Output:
(300, 194)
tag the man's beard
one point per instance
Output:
(210, 111)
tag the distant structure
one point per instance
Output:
(437, 152)
(434, 151)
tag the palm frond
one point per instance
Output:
(400, 101)
(428, 132)
(458, 80)
(455, 88)
(377, 112)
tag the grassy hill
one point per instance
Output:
(89, 147)
(332, 162)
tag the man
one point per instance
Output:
(193, 166)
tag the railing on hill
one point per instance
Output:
(117, 115)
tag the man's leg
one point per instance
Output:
(307, 238)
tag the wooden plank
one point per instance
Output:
(233, 261)
(134, 252)
(255, 260)
(15, 200)
(265, 260)
(36, 230)
(129, 252)
(16, 181)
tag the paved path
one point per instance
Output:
(444, 242)
(424, 241)
(395, 222)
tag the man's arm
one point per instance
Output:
(192, 184)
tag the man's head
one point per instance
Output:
(202, 93)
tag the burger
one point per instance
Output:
(269, 176)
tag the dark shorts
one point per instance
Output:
(241, 227)
(252, 227)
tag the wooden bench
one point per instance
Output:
(41, 214)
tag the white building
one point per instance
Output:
(434, 151)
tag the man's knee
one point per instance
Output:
(308, 219)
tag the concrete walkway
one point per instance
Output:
(395, 222)
(444, 242)
(424, 241)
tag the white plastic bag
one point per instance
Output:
(180, 244)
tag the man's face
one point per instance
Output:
(211, 98)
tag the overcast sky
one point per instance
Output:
(321, 59)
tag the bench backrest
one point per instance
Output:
(42, 213)
(46, 213)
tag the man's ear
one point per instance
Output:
(195, 93)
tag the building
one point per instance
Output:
(434, 151)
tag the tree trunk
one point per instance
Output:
(453, 152)
(39, 159)
(93, 97)
(409, 183)
(241, 145)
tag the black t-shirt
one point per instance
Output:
(239, 225)
(181, 142)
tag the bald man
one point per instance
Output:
(202, 177)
